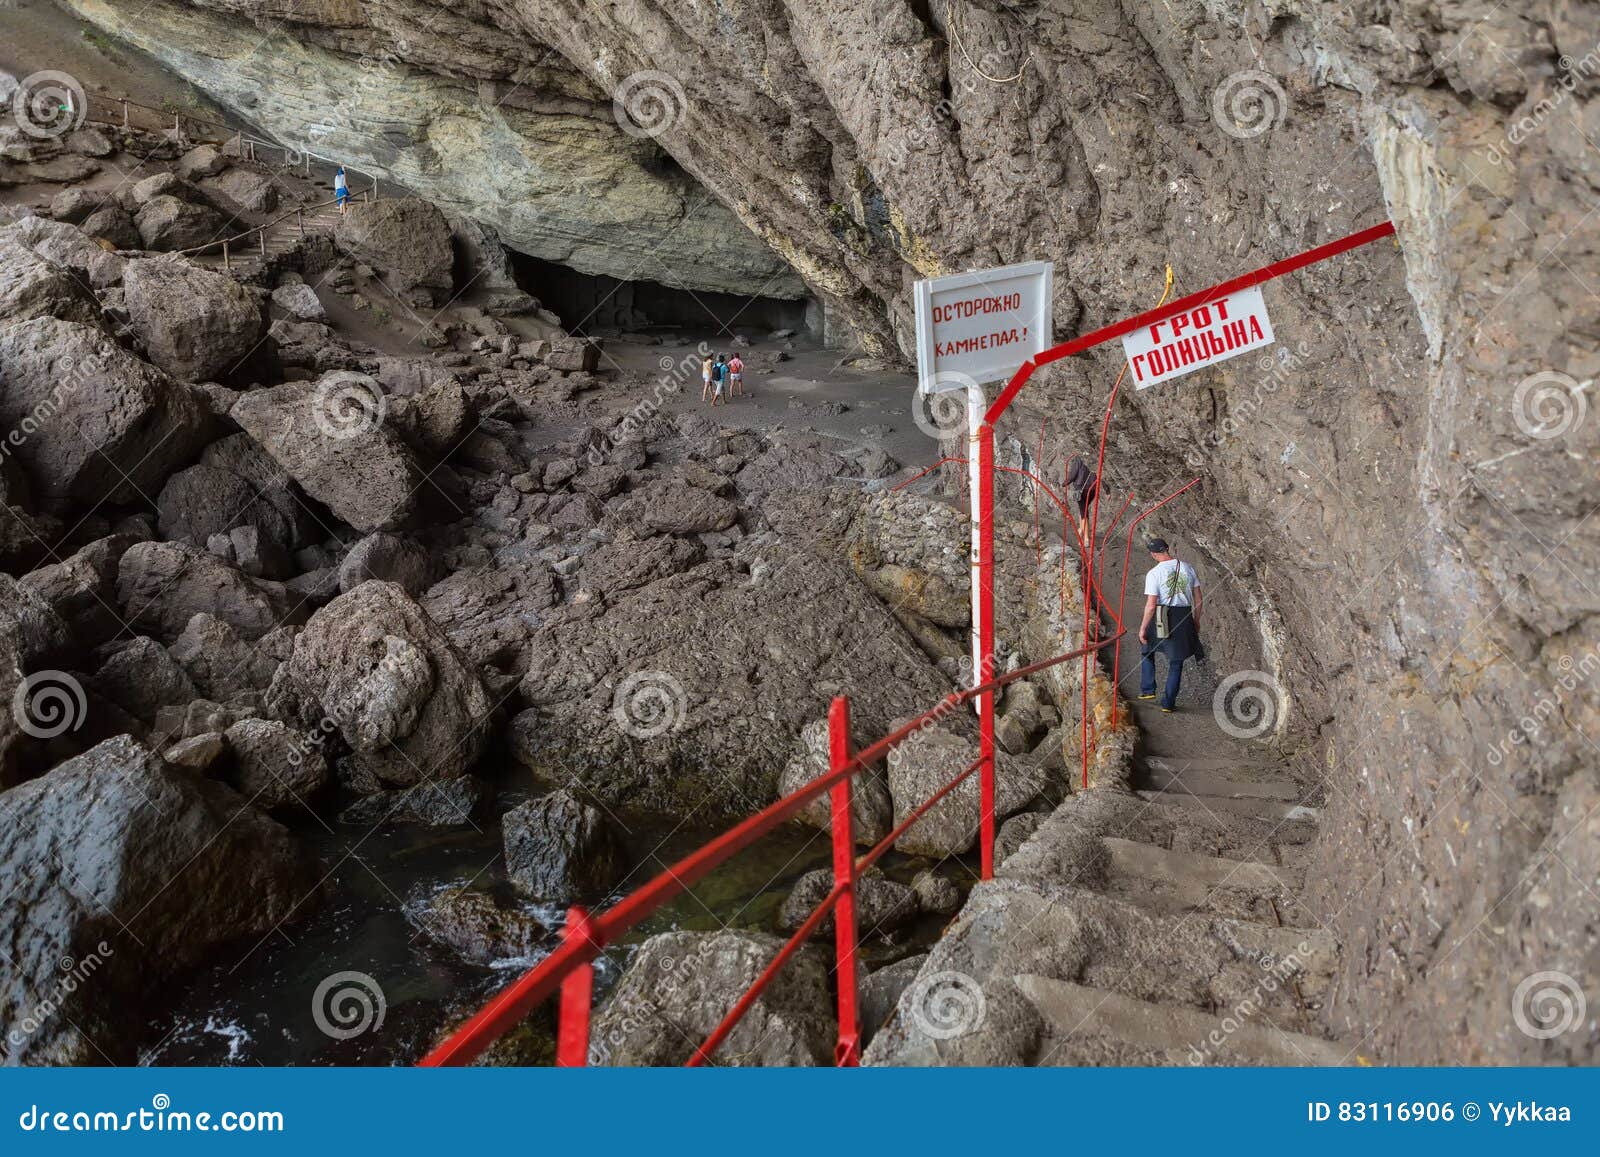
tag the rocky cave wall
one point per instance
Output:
(1396, 498)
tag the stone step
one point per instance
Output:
(1176, 883)
(1276, 811)
(1183, 1035)
(1197, 875)
(1175, 777)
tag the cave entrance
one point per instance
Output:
(602, 306)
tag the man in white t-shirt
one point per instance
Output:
(1174, 585)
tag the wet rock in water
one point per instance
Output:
(406, 238)
(879, 992)
(561, 849)
(275, 766)
(930, 758)
(142, 677)
(394, 558)
(883, 906)
(478, 928)
(162, 585)
(167, 224)
(871, 808)
(331, 439)
(32, 287)
(438, 805)
(402, 696)
(118, 426)
(681, 984)
(197, 325)
(135, 871)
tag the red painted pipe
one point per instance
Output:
(847, 1051)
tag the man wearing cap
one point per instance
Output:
(1172, 594)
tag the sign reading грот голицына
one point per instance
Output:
(982, 326)
(1199, 337)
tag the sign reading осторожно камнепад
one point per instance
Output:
(1197, 338)
(980, 327)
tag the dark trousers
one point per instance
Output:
(1147, 677)
(1177, 647)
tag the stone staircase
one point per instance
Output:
(248, 258)
(1163, 925)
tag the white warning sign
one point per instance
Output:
(982, 326)
(1199, 337)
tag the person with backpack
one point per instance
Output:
(719, 381)
(1172, 615)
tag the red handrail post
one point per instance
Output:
(986, 654)
(577, 994)
(847, 1053)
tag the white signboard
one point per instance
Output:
(982, 325)
(1197, 338)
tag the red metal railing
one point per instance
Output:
(570, 967)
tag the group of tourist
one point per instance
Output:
(722, 377)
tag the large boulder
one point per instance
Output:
(490, 612)
(203, 501)
(275, 766)
(479, 928)
(122, 872)
(332, 439)
(931, 757)
(871, 808)
(681, 984)
(392, 558)
(407, 240)
(100, 425)
(244, 189)
(373, 666)
(141, 677)
(31, 286)
(73, 249)
(673, 507)
(883, 906)
(82, 588)
(222, 665)
(162, 585)
(561, 849)
(197, 325)
(167, 224)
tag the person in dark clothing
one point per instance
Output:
(1084, 484)
(1172, 591)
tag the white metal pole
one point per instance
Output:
(976, 405)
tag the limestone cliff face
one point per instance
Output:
(1399, 495)
(468, 116)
